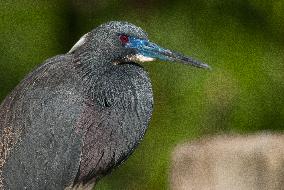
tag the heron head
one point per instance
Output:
(121, 42)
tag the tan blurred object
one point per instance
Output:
(253, 162)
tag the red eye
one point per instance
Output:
(124, 39)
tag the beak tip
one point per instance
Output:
(205, 66)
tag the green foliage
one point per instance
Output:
(241, 40)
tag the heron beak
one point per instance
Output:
(148, 51)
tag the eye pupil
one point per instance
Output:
(124, 39)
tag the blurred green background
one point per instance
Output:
(242, 40)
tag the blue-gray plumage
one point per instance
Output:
(78, 115)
